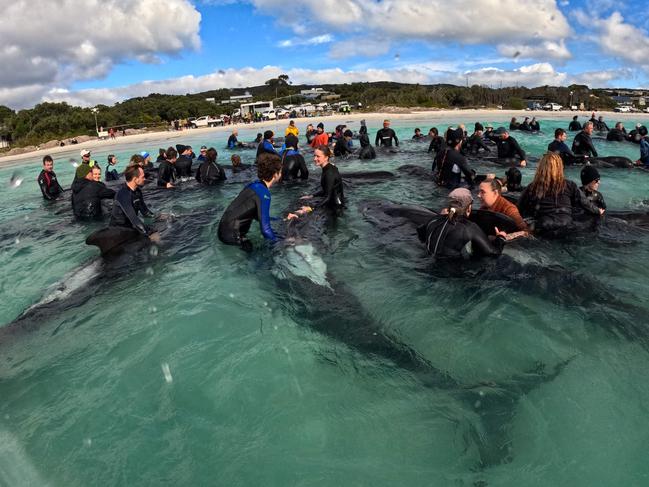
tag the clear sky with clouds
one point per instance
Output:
(88, 52)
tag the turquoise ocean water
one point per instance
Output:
(192, 368)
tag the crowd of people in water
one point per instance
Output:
(549, 206)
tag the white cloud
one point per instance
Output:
(544, 50)
(311, 41)
(618, 38)
(464, 21)
(530, 76)
(45, 43)
(359, 46)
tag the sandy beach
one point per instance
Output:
(466, 116)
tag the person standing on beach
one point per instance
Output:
(385, 136)
(47, 181)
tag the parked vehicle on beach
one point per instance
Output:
(206, 121)
(553, 107)
(622, 109)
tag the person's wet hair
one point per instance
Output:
(136, 159)
(325, 150)
(558, 133)
(268, 165)
(132, 172)
(236, 160)
(211, 154)
(268, 134)
(47, 158)
(172, 153)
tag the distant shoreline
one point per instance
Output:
(467, 116)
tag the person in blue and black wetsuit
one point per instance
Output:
(233, 142)
(266, 145)
(253, 203)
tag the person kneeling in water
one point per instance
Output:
(253, 203)
(452, 235)
(590, 185)
(330, 181)
(490, 194)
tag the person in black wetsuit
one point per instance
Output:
(342, 149)
(437, 142)
(253, 203)
(293, 163)
(590, 186)
(475, 142)
(129, 202)
(266, 146)
(617, 133)
(167, 173)
(450, 164)
(184, 161)
(559, 146)
(310, 133)
(452, 235)
(333, 198)
(508, 148)
(385, 136)
(209, 172)
(575, 126)
(366, 151)
(535, 126)
(87, 194)
(551, 200)
(513, 180)
(582, 145)
(514, 125)
(525, 126)
(363, 129)
(47, 181)
(162, 156)
(418, 135)
(601, 124)
(111, 172)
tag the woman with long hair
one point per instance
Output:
(551, 199)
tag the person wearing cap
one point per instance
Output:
(266, 145)
(476, 141)
(551, 199)
(582, 145)
(451, 235)
(508, 148)
(47, 180)
(167, 173)
(450, 164)
(637, 133)
(490, 194)
(574, 126)
(559, 146)
(233, 141)
(321, 137)
(293, 164)
(590, 186)
(385, 136)
(418, 135)
(147, 164)
(644, 152)
(184, 160)
(81, 172)
(87, 194)
(292, 129)
(203, 151)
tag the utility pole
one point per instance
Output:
(95, 110)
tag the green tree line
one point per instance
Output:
(49, 121)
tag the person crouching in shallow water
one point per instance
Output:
(490, 194)
(330, 181)
(590, 186)
(452, 235)
(253, 203)
(550, 199)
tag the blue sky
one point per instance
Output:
(179, 46)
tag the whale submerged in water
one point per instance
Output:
(307, 289)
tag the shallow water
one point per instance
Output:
(191, 367)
